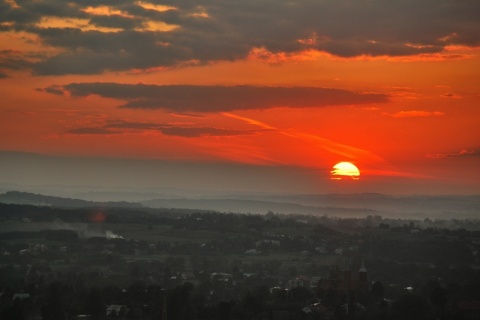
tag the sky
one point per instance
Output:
(257, 96)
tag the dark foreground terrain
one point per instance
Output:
(117, 261)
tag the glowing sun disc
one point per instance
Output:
(345, 170)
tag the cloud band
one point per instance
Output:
(188, 98)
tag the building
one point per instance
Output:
(344, 280)
(298, 282)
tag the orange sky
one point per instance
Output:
(304, 86)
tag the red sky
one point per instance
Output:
(391, 86)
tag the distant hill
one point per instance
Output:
(340, 205)
(453, 204)
(255, 207)
(17, 197)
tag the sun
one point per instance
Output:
(343, 170)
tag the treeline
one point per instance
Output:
(209, 220)
(52, 235)
(16, 212)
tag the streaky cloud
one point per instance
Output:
(417, 114)
(192, 98)
(462, 153)
(190, 131)
(340, 149)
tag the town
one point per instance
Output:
(140, 263)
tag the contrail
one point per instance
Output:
(326, 144)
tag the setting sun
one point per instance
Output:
(345, 170)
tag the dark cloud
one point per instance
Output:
(133, 125)
(451, 95)
(353, 49)
(115, 21)
(92, 130)
(117, 51)
(20, 16)
(15, 60)
(120, 127)
(55, 89)
(210, 30)
(190, 132)
(181, 98)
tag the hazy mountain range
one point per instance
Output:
(342, 205)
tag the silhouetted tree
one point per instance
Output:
(179, 302)
(225, 309)
(438, 297)
(95, 304)
(410, 306)
(378, 290)
(54, 307)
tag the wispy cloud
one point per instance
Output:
(417, 114)
(345, 151)
(461, 153)
(451, 95)
(249, 121)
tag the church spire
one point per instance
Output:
(362, 272)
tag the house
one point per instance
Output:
(300, 281)
(317, 311)
(21, 296)
(314, 282)
(113, 309)
(321, 250)
(24, 252)
(305, 253)
(39, 248)
(224, 277)
(273, 243)
(187, 275)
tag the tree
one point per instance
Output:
(95, 304)
(179, 302)
(225, 309)
(378, 290)
(54, 307)
(410, 306)
(252, 305)
(438, 297)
